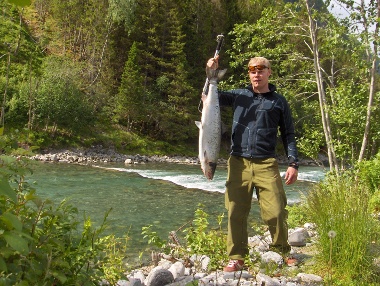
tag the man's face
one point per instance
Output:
(259, 76)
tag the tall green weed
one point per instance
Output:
(340, 205)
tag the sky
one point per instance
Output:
(338, 10)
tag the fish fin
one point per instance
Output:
(215, 74)
(221, 73)
(199, 124)
(210, 73)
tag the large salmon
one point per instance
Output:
(210, 127)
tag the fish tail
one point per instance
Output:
(215, 74)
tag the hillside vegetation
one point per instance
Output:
(129, 73)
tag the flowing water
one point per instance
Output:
(160, 194)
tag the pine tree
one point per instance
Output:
(129, 102)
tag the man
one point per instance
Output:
(259, 111)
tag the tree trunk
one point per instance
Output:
(30, 97)
(321, 93)
(372, 85)
(2, 111)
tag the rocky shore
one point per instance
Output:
(266, 267)
(98, 154)
(107, 156)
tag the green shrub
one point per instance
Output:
(43, 244)
(203, 240)
(297, 215)
(369, 173)
(199, 238)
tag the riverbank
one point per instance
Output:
(98, 154)
(95, 156)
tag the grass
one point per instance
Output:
(114, 136)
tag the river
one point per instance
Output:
(160, 194)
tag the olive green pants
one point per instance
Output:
(245, 175)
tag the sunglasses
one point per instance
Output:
(257, 68)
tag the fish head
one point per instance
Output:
(208, 169)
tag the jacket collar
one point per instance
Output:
(272, 88)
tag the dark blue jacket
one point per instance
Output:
(257, 118)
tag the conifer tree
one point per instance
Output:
(129, 102)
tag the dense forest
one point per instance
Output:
(129, 73)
